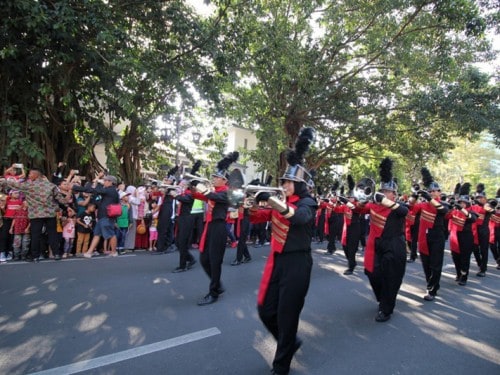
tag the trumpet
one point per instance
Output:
(161, 185)
(256, 191)
(200, 180)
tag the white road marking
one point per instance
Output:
(130, 353)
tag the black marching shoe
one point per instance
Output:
(429, 297)
(180, 269)
(246, 260)
(382, 317)
(191, 263)
(207, 300)
(235, 262)
(410, 260)
(348, 272)
(481, 274)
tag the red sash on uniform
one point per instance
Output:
(378, 218)
(410, 221)
(280, 227)
(456, 224)
(210, 205)
(481, 214)
(427, 219)
(494, 223)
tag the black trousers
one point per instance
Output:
(183, 239)
(6, 239)
(495, 246)
(388, 272)
(165, 233)
(197, 227)
(242, 250)
(335, 224)
(462, 260)
(283, 303)
(52, 235)
(352, 241)
(320, 229)
(213, 254)
(433, 263)
(414, 241)
(481, 250)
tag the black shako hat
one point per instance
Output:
(428, 180)
(295, 158)
(224, 164)
(385, 172)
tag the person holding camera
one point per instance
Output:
(105, 227)
(43, 199)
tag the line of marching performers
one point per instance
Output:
(471, 223)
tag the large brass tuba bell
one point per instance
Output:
(364, 190)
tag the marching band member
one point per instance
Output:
(185, 222)
(334, 220)
(411, 224)
(287, 273)
(213, 241)
(461, 219)
(431, 232)
(385, 255)
(351, 230)
(166, 215)
(495, 229)
(482, 231)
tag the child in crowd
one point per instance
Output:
(153, 228)
(13, 203)
(69, 232)
(123, 221)
(20, 228)
(84, 225)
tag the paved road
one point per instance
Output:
(132, 315)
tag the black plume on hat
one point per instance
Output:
(269, 179)
(171, 173)
(385, 170)
(342, 190)
(302, 144)
(350, 182)
(335, 186)
(465, 189)
(498, 193)
(196, 167)
(230, 158)
(255, 181)
(480, 190)
(457, 189)
(427, 178)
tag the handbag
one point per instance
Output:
(114, 210)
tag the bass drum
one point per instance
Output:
(364, 190)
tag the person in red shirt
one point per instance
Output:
(20, 228)
(13, 203)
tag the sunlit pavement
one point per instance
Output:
(132, 315)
